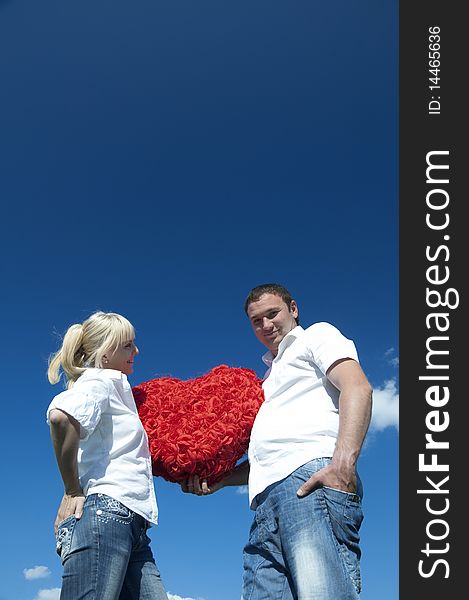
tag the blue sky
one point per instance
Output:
(159, 159)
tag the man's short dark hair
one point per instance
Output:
(269, 288)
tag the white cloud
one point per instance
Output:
(176, 597)
(37, 572)
(385, 406)
(51, 594)
(391, 360)
(242, 489)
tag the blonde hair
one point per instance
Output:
(84, 345)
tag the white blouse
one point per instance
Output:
(113, 457)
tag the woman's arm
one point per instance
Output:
(65, 435)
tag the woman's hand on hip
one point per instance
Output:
(71, 504)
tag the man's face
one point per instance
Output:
(272, 319)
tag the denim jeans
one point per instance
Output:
(304, 548)
(106, 554)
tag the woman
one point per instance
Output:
(102, 454)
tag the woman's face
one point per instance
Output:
(122, 359)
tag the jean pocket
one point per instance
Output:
(110, 508)
(346, 516)
(343, 505)
(63, 537)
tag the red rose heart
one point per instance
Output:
(201, 425)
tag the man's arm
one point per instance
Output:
(355, 402)
(65, 435)
(238, 476)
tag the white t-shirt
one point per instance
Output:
(299, 418)
(113, 457)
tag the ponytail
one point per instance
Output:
(70, 357)
(84, 345)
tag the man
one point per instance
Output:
(302, 457)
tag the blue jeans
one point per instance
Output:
(304, 548)
(106, 554)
